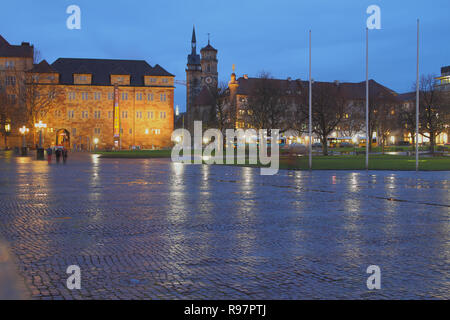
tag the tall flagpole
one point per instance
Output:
(368, 139)
(417, 100)
(310, 105)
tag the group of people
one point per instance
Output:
(59, 152)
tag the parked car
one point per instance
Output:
(403, 143)
(317, 145)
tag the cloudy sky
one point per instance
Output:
(254, 35)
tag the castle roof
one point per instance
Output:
(25, 50)
(102, 69)
(43, 67)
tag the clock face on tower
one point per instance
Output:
(208, 80)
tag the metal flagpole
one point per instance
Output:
(310, 105)
(417, 100)
(368, 139)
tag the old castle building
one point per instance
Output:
(201, 80)
(102, 103)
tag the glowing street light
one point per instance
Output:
(24, 130)
(40, 150)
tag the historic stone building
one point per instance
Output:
(15, 61)
(201, 80)
(102, 103)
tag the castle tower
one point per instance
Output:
(209, 66)
(193, 79)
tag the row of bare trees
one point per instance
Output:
(274, 104)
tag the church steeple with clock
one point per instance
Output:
(201, 76)
(209, 66)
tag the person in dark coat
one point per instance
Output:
(49, 155)
(58, 154)
(64, 155)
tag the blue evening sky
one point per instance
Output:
(255, 35)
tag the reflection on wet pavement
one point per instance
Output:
(153, 229)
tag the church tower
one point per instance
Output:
(209, 66)
(193, 80)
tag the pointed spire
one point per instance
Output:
(208, 38)
(193, 35)
(193, 42)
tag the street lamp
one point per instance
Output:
(24, 130)
(95, 143)
(40, 150)
(7, 132)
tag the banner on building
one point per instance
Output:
(116, 127)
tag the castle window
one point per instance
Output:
(162, 97)
(72, 95)
(138, 96)
(9, 64)
(162, 115)
(150, 114)
(156, 131)
(150, 97)
(97, 95)
(84, 114)
(131, 131)
(124, 114)
(97, 114)
(96, 130)
(165, 80)
(84, 96)
(110, 95)
(74, 131)
(208, 67)
(10, 81)
(83, 78)
(109, 114)
(139, 114)
(124, 96)
(70, 114)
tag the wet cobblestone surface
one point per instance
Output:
(152, 229)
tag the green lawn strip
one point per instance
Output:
(138, 154)
(342, 162)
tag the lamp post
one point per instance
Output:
(40, 150)
(95, 143)
(7, 132)
(24, 130)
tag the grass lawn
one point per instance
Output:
(344, 162)
(135, 154)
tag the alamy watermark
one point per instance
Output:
(374, 280)
(74, 280)
(257, 143)
(74, 20)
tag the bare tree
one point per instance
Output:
(434, 108)
(328, 110)
(353, 120)
(266, 104)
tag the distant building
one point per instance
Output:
(99, 103)
(444, 79)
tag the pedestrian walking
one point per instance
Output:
(49, 155)
(58, 154)
(64, 155)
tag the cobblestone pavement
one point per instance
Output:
(152, 229)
